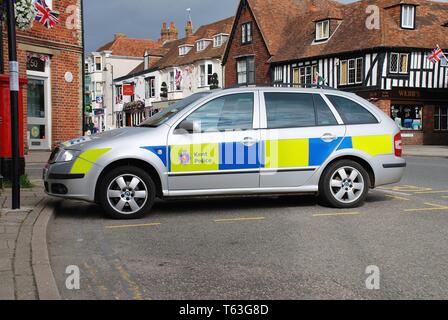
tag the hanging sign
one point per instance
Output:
(128, 90)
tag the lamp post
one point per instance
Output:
(14, 96)
(112, 89)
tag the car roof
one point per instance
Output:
(319, 90)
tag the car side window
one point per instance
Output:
(227, 113)
(351, 112)
(289, 110)
(325, 116)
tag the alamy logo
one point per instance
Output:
(373, 280)
(72, 282)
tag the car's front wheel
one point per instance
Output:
(127, 193)
(344, 184)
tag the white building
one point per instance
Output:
(175, 71)
(115, 59)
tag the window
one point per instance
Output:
(246, 70)
(441, 118)
(351, 71)
(119, 94)
(325, 116)
(351, 112)
(202, 45)
(150, 88)
(172, 82)
(218, 40)
(98, 88)
(205, 74)
(183, 50)
(289, 110)
(246, 33)
(98, 64)
(407, 117)
(305, 75)
(407, 16)
(322, 30)
(228, 113)
(399, 63)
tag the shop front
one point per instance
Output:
(422, 114)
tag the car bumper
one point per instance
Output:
(389, 170)
(66, 185)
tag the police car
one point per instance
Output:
(235, 142)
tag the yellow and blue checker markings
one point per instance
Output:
(275, 154)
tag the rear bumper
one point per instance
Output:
(389, 170)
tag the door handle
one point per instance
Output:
(248, 141)
(328, 137)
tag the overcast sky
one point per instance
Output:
(144, 18)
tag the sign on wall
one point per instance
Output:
(128, 90)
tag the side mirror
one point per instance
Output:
(185, 127)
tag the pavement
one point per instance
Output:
(426, 151)
(284, 247)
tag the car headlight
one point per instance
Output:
(67, 155)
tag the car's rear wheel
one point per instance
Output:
(344, 184)
(127, 193)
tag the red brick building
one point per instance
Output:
(378, 49)
(51, 62)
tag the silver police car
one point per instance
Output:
(235, 142)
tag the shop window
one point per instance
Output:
(407, 117)
(441, 118)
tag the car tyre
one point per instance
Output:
(127, 193)
(344, 184)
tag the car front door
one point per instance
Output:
(216, 147)
(300, 131)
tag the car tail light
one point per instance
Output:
(398, 145)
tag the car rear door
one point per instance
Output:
(221, 152)
(299, 132)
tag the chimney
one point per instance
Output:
(164, 34)
(119, 35)
(173, 33)
(189, 29)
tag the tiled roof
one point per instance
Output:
(288, 26)
(129, 47)
(172, 58)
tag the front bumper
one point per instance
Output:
(59, 183)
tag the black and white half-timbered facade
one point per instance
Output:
(377, 49)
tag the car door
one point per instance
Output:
(300, 131)
(216, 146)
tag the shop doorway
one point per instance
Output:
(38, 113)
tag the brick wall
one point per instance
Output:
(64, 43)
(256, 48)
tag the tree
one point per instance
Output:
(214, 82)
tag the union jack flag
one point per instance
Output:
(45, 15)
(436, 55)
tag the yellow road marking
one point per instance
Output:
(406, 188)
(398, 198)
(135, 289)
(433, 206)
(393, 192)
(240, 219)
(445, 197)
(133, 226)
(336, 214)
(429, 192)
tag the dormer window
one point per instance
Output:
(202, 45)
(219, 40)
(322, 30)
(183, 50)
(407, 16)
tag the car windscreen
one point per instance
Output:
(162, 117)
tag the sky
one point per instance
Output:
(144, 18)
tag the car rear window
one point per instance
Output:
(352, 112)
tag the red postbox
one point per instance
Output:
(5, 127)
